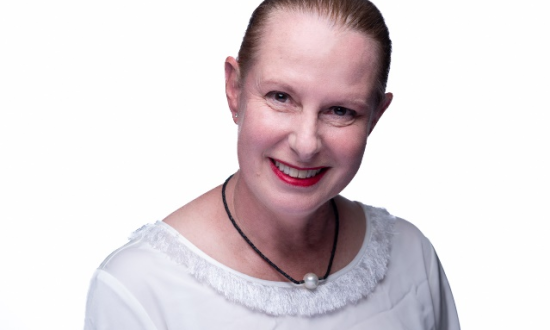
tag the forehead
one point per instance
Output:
(308, 44)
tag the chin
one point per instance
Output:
(303, 202)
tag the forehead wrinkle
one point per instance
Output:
(295, 79)
(282, 85)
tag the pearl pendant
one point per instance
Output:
(311, 281)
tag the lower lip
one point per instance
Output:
(306, 182)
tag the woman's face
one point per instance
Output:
(304, 112)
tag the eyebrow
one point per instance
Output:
(284, 86)
(361, 103)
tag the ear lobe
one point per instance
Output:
(388, 97)
(232, 85)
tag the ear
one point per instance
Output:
(232, 86)
(388, 97)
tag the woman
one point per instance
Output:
(275, 246)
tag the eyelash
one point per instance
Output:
(282, 98)
(348, 112)
(276, 95)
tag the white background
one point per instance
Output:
(113, 114)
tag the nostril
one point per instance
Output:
(306, 147)
(304, 139)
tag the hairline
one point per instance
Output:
(336, 22)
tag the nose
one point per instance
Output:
(304, 139)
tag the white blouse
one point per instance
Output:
(160, 280)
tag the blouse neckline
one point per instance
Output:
(348, 285)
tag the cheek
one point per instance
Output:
(353, 157)
(349, 147)
(262, 127)
(257, 134)
(248, 148)
(349, 153)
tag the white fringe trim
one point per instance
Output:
(355, 284)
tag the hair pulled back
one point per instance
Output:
(357, 15)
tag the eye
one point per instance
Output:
(340, 116)
(343, 112)
(340, 111)
(279, 96)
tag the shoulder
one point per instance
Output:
(134, 286)
(401, 229)
(151, 264)
(414, 280)
(411, 254)
(408, 233)
(135, 257)
(407, 243)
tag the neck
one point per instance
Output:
(278, 230)
(298, 245)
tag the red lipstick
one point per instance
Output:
(305, 182)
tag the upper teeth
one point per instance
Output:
(296, 173)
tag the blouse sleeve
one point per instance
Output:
(111, 306)
(445, 314)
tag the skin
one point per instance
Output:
(306, 102)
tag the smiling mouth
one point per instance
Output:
(296, 173)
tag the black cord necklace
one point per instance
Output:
(310, 281)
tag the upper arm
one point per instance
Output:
(110, 305)
(445, 314)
